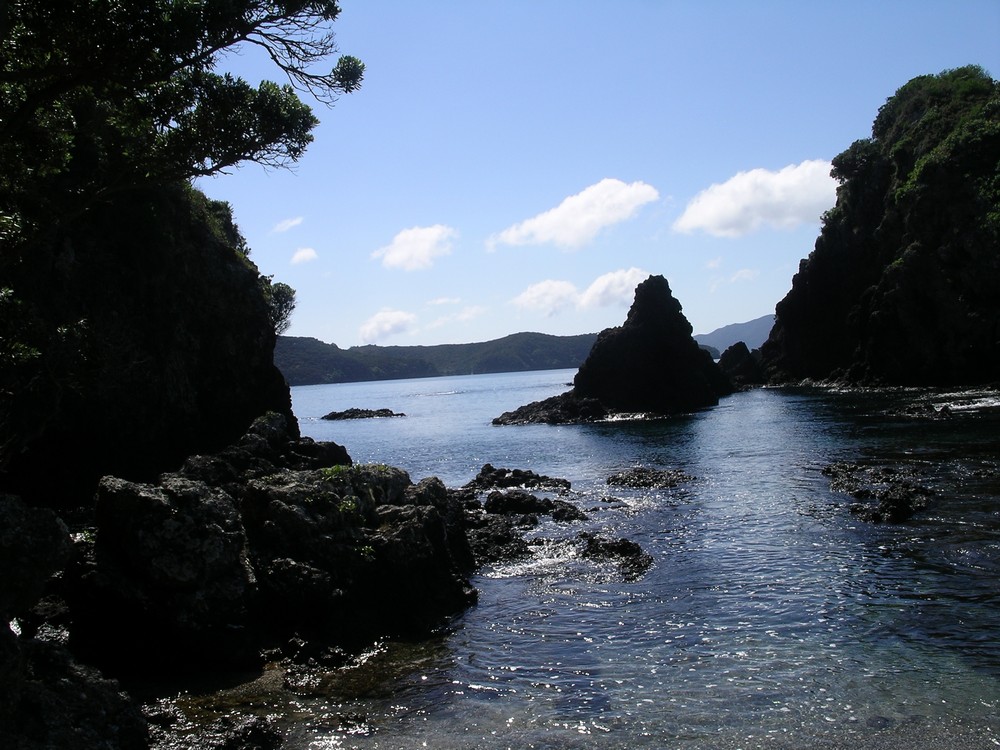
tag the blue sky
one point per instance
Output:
(521, 165)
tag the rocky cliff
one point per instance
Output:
(650, 365)
(138, 334)
(901, 287)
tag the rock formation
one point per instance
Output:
(354, 413)
(648, 365)
(209, 565)
(742, 366)
(145, 337)
(901, 287)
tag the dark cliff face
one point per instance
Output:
(901, 287)
(651, 363)
(153, 342)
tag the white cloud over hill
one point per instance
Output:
(797, 194)
(552, 296)
(386, 322)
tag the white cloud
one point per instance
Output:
(714, 264)
(548, 297)
(553, 296)
(797, 194)
(416, 248)
(304, 255)
(445, 301)
(286, 224)
(386, 322)
(614, 288)
(470, 313)
(744, 274)
(462, 316)
(579, 218)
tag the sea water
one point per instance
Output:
(771, 618)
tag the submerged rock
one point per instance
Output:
(632, 561)
(885, 494)
(645, 477)
(650, 365)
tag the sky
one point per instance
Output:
(522, 165)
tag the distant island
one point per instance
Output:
(309, 361)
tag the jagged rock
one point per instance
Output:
(45, 698)
(490, 478)
(62, 703)
(496, 538)
(270, 443)
(650, 365)
(632, 561)
(520, 502)
(186, 572)
(34, 544)
(742, 366)
(566, 408)
(885, 494)
(361, 414)
(171, 579)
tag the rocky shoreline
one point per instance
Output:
(280, 557)
(278, 550)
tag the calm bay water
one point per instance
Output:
(771, 617)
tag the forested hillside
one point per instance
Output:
(305, 361)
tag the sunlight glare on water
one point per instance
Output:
(771, 617)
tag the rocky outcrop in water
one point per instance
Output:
(644, 477)
(901, 288)
(649, 365)
(490, 478)
(566, 408)
(207, 565)
(361, 414)
(742, 366)
(882, 494)
(630, 558)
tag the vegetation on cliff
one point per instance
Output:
(901, 287)
(133, 328)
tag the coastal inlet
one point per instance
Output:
(772, 614)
